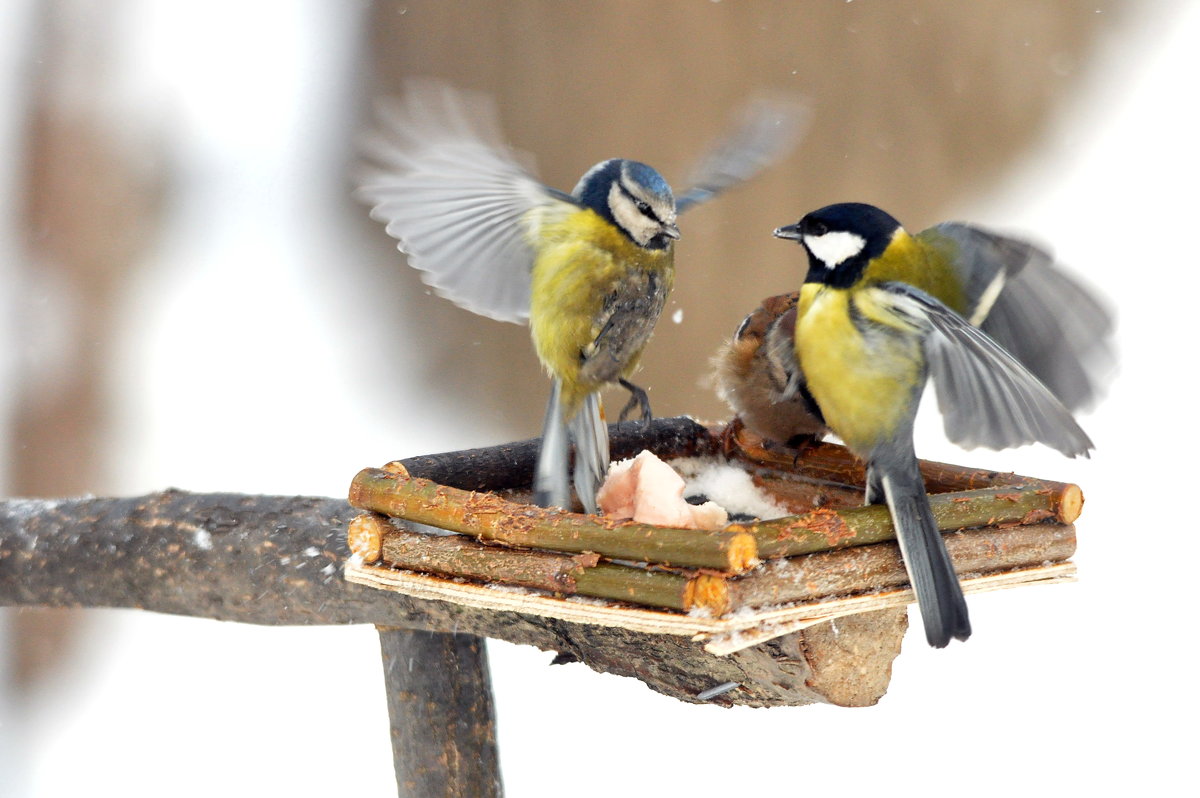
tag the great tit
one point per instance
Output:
(868, 333)
(1014, 291)
(590, 270)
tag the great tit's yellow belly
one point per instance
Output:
(582, 262)
(861, 369)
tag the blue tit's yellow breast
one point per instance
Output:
(581, 259)
(861, 365)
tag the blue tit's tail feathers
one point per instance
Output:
(551, 487)
(939, 595)
(590, 434)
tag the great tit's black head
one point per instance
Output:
(632, 196)
(841, 240)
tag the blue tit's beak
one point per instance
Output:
(670, 230)
(791, 232)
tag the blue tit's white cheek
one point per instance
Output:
(639, 227)
(834, 248)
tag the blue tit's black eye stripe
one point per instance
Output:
(641, 205)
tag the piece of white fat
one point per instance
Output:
(729, 486)
(649, 491)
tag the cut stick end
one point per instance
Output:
(743, 553)
(707, 592)
(1070, 504)
(365, 536)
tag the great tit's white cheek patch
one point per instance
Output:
(834, 248)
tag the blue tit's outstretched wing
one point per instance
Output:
(986, 396)
(765, 132)
(461, 204)
(1054, 325)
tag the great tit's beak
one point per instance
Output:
(670, 230)
(791, 232)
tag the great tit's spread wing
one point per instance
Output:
(460, 203)
(1057, 327)
(764, 132)
(986, 396)
(984, 261)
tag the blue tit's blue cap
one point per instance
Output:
(649, 178)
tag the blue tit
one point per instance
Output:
(869, 331)
(590, 270)
(1014, 291)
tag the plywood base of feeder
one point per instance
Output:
(721, 636)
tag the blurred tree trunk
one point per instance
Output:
(89, 210)
(918, 106)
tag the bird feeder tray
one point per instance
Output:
(458, 527)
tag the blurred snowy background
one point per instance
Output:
(189, 298)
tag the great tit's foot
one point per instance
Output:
(637, 399)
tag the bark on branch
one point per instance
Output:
(277, 560)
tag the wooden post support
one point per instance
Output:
(439, 700)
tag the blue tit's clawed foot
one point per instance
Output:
(637, 399)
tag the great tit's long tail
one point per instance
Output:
(551, 487)
(939, 595)
(590, 434)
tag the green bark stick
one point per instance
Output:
(563, 574)
(825, 529)
(494, 519)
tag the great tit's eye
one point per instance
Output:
(818, 228)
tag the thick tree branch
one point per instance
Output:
(277, 560)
